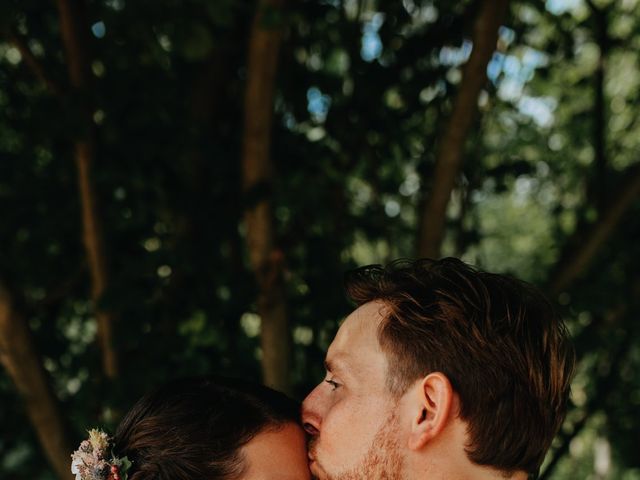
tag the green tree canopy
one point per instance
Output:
(128, 180)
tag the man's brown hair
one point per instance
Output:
(498, 340)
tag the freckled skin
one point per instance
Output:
(277, 455)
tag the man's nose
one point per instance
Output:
(311, 419)
(310, 429)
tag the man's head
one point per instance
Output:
(442, 363)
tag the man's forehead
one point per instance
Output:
(361, 325)
(357, 338)
(337, 361)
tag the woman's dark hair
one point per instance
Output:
(194, 428)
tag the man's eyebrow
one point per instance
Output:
(331, 365)
(328, 366)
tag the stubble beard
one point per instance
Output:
(382, 461)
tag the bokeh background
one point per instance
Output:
(184, 183)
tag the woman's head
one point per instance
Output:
(213, 429)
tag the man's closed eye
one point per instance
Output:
(333, 383)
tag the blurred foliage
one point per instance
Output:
(363, 91)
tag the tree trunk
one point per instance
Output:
(20, 358)
(578, 259)
(257, 176)
(449, 158)
(75, 38)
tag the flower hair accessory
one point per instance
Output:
(94, 459)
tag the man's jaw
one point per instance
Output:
(382, 461)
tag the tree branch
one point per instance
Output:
(257, 177)
(34, 64)
(19, 356)
(578, 259)
(75, 39)
(449, 159)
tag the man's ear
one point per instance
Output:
(431, 405)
